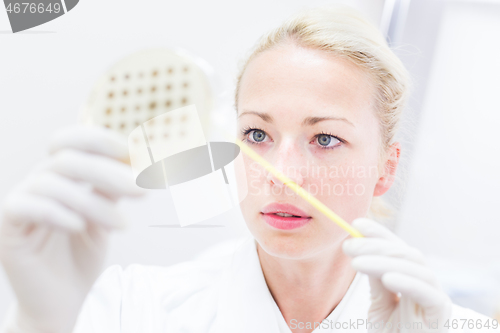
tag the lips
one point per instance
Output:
(284, 216)
(284, 208)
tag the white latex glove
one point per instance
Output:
(55, 226)
(394, 267)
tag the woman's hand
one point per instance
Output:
(395, 268)
(55, 225)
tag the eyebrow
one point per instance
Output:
(307, 121)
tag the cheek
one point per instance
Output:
(346, 187)
(250, 177)
(251, 181)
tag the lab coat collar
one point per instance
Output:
(246, 305)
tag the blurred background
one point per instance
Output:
(448, 194)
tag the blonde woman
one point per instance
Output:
(320, 98)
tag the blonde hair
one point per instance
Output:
(342, 31)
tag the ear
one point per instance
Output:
(388, 176)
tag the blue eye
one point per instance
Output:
(324, 140)
(258, 135)
(327, 140)
(253, 135)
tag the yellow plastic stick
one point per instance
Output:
(297, 189)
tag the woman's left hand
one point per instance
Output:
(404, 291)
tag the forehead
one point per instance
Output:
(296, 80)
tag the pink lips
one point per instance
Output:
(284, 223)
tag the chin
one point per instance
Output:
(299, 244)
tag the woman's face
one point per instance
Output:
(311, 115)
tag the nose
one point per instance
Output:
(289, 161)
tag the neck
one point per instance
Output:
(307, 290)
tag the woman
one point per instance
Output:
(320, 98)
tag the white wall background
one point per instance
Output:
(451, 204)
(47, 72)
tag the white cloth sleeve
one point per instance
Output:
(101, 310)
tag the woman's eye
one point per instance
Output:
(327, 141)
(257, 135)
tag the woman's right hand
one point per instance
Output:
(55, 225)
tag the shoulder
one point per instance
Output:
(202, 271)
(185, 274)
(148, 295)
(140, 294)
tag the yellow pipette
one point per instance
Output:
(296, 188)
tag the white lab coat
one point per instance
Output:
(227, 294)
